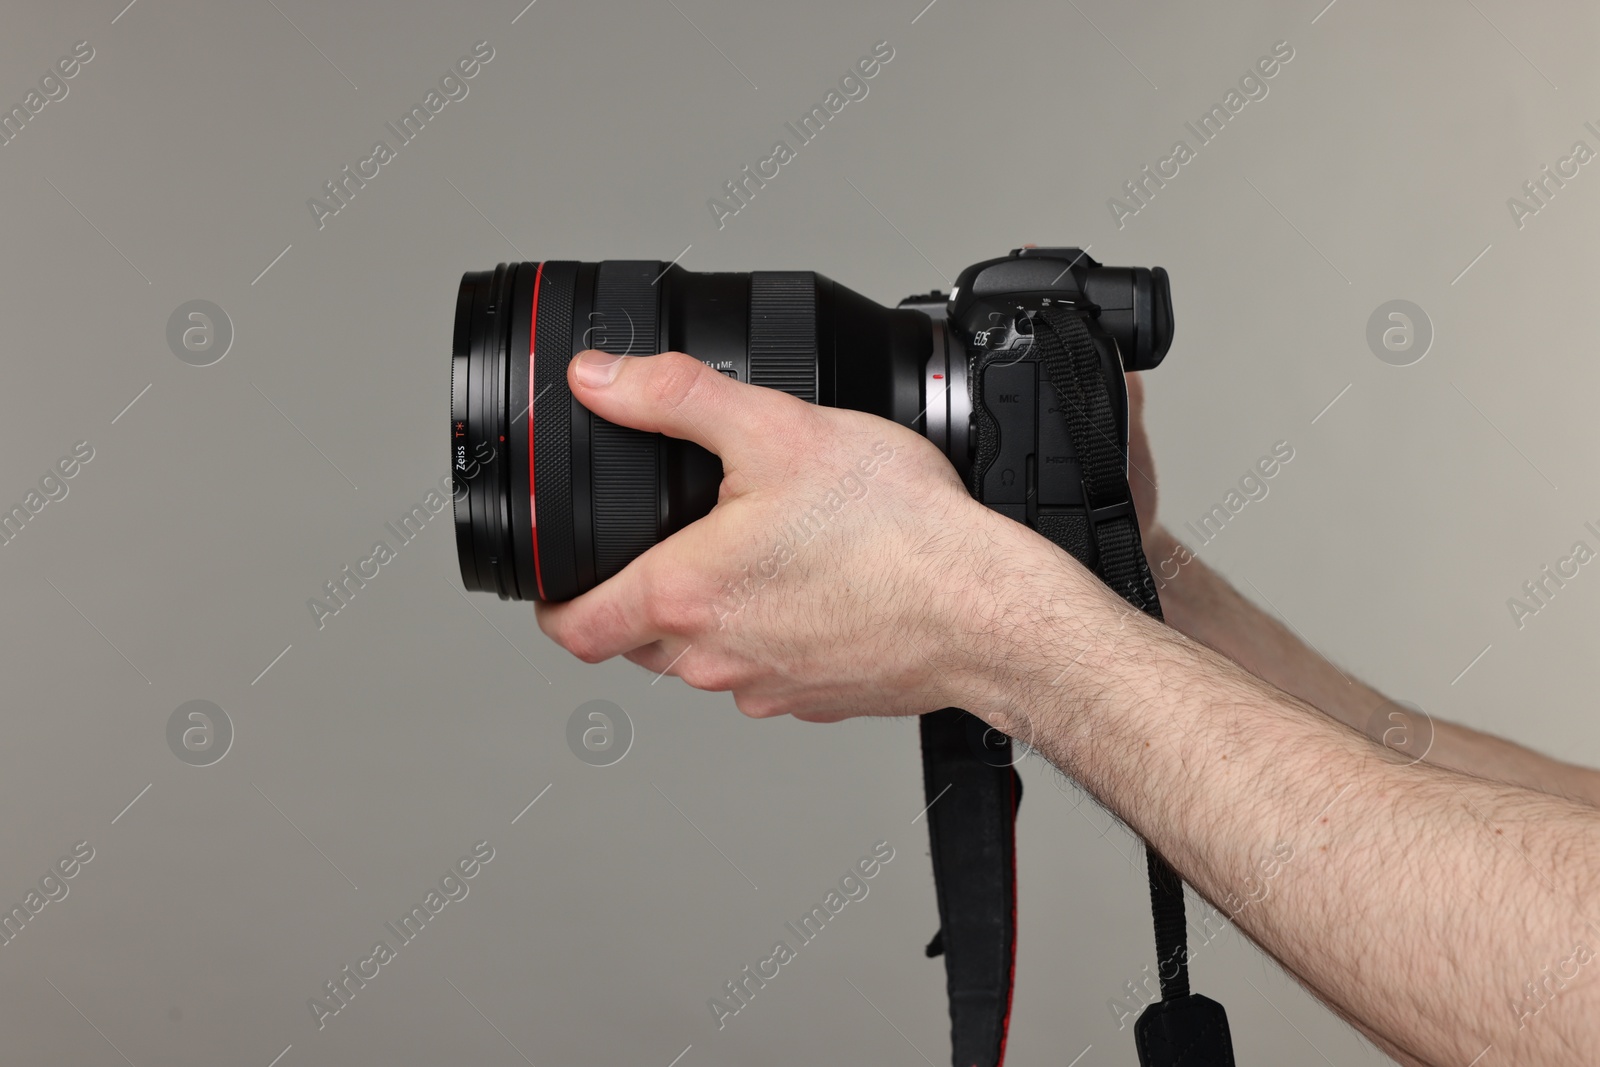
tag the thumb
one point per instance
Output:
(681, 397)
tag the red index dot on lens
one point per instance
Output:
(938, 376)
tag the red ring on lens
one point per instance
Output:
(533, 510)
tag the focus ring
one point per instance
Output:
(783, 331)
(552, 432)
(625, 461)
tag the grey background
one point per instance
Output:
(408, 728)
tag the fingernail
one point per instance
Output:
(596, 369)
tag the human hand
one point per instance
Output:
(1141, 461)
(845, 570)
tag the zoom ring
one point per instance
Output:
(552, 427)
(625, 461)
(783, 331)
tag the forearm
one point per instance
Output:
(1198, 602)
(1414, 900)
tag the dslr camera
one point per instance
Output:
(551, 500)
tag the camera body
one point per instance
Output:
(991, 406)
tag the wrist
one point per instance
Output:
(1048, 645)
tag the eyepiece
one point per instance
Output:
(1160, 321)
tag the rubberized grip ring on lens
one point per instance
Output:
(552, 431)
(625, 462)
(783, 331)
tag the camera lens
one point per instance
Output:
(551, 500)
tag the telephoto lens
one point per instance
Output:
(551, 500)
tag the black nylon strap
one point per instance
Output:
(1069, 355)
(1188, 1030)
(1172, 940)
(971, 813)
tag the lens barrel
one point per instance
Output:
(551, 499)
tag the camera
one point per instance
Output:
(551, 500)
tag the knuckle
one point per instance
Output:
(652, 598)
(679, 617)
(705, 674)
(584, 647)
(671, 604)
(674, 378)
(757, 707)
(589, 642)
(786, 413)
(561, 630)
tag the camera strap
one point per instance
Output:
(973, 835)
(973, 844)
